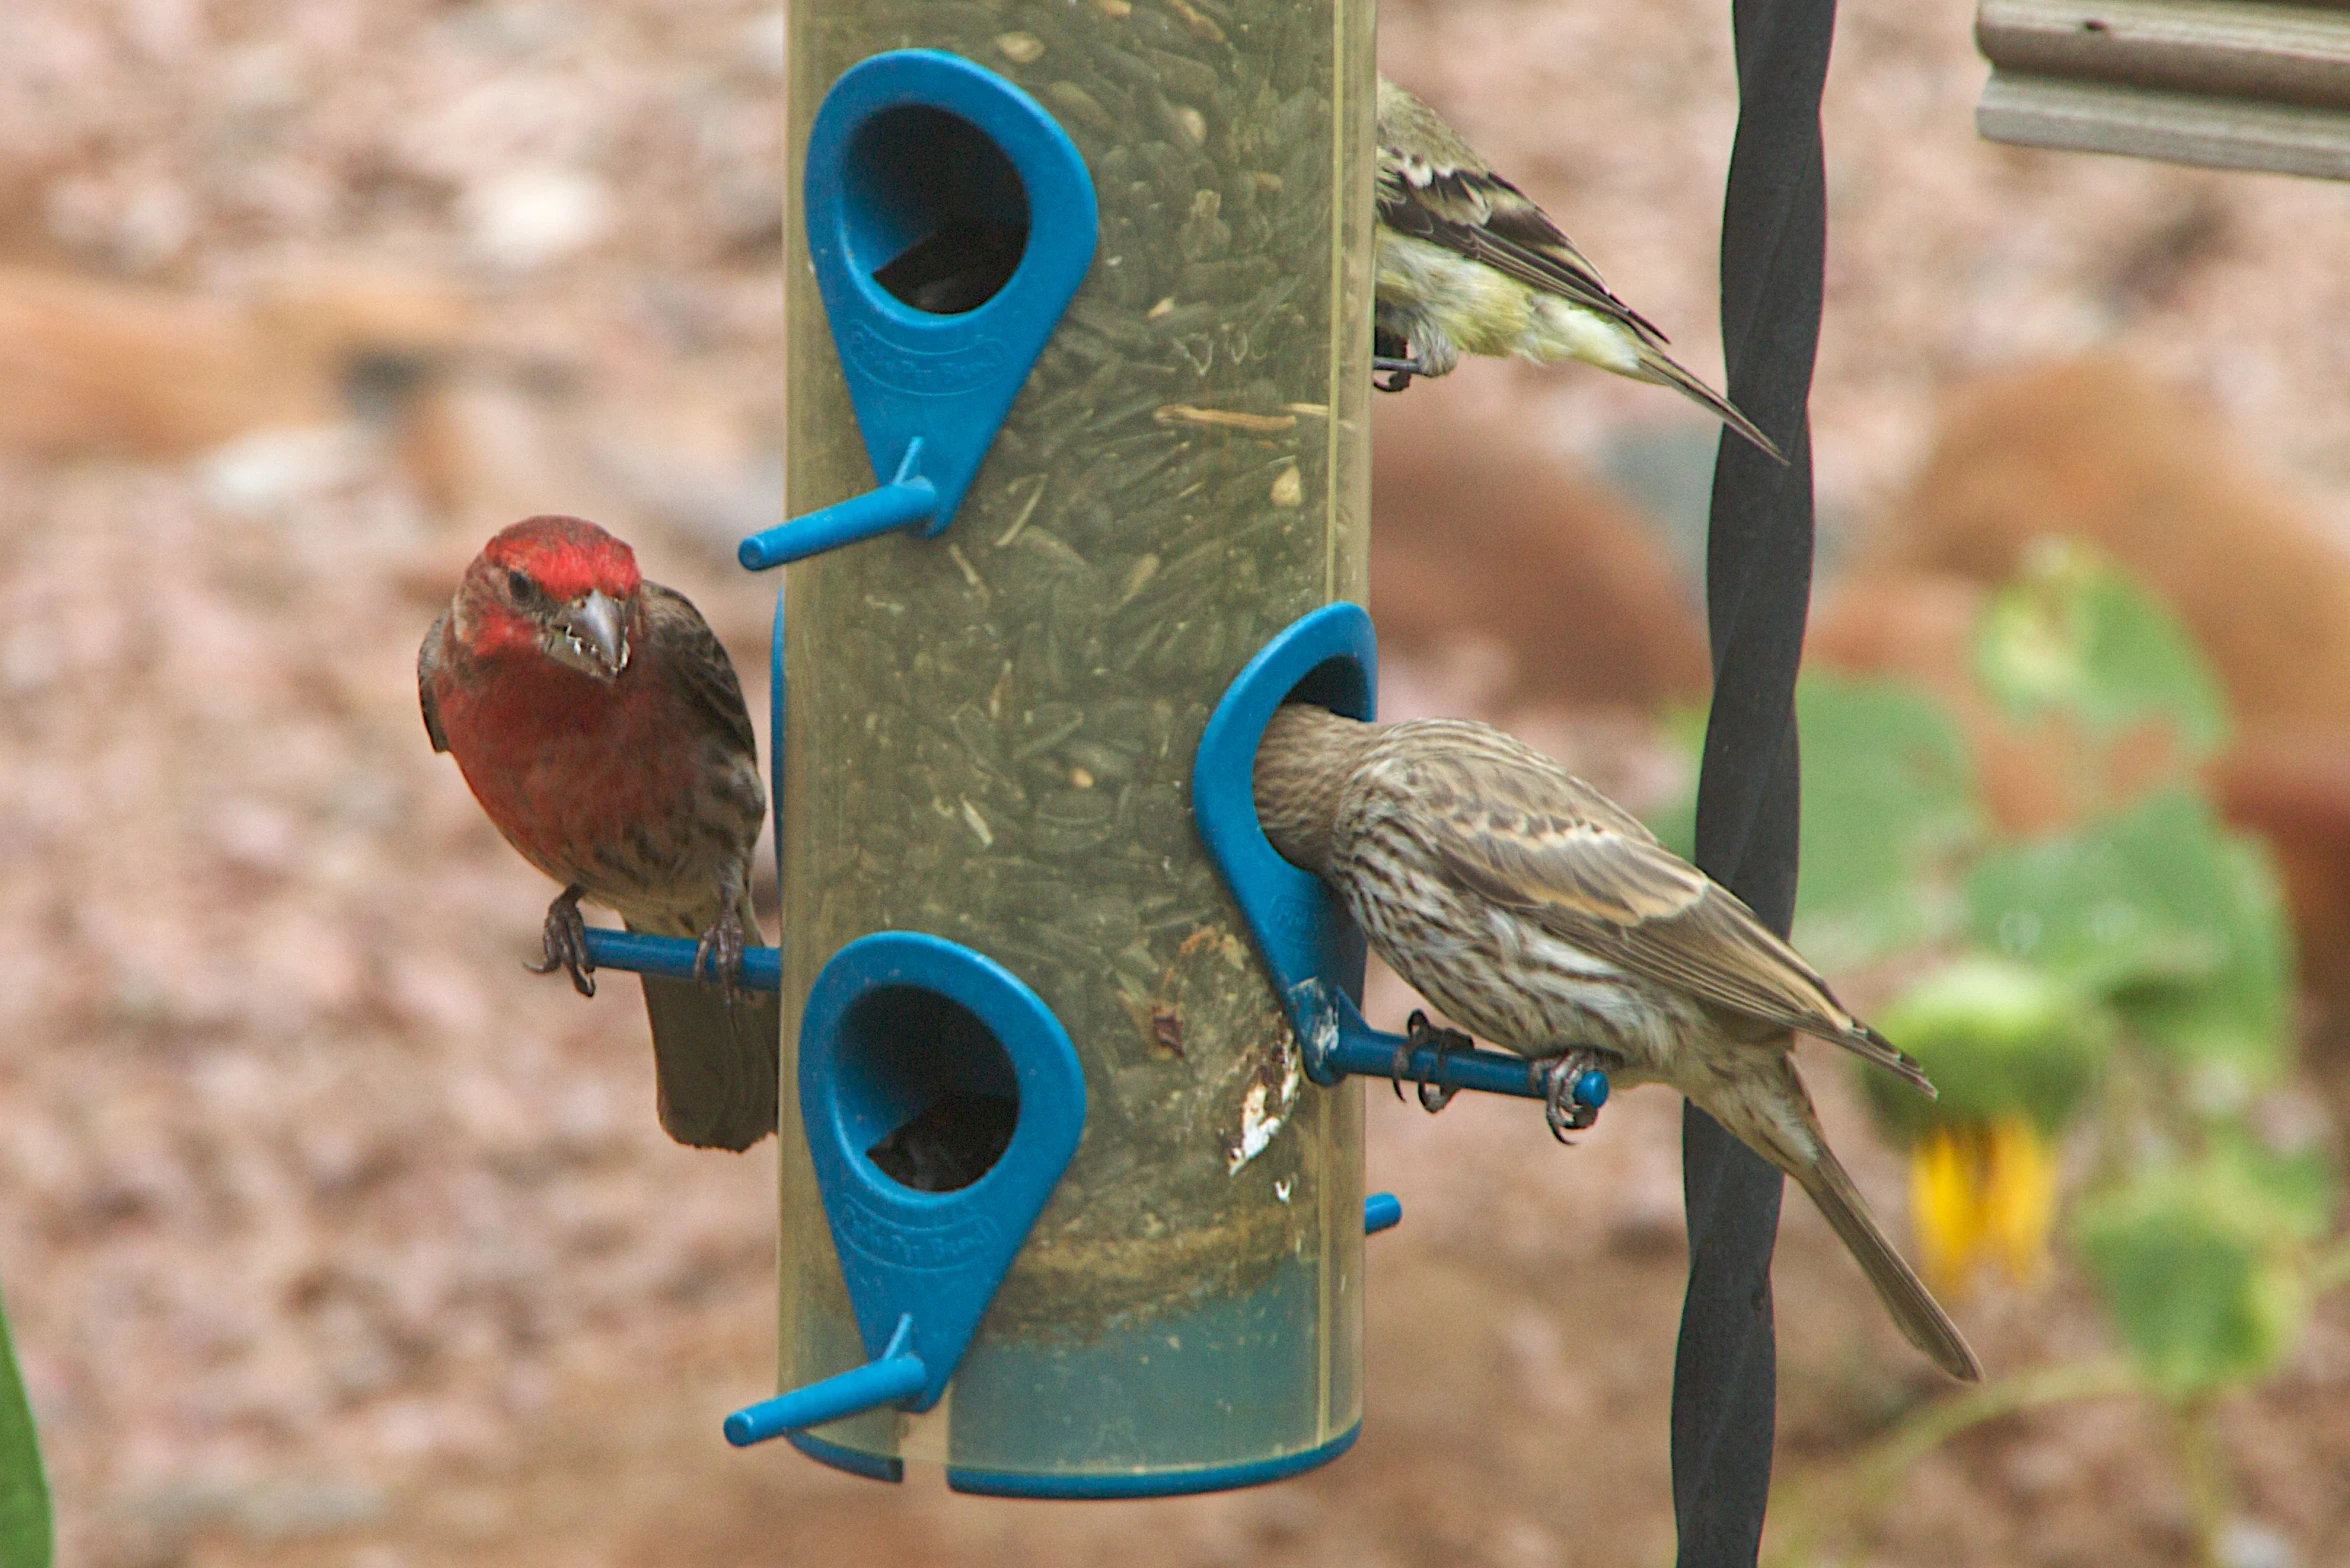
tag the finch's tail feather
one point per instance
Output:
(714, 1061)
(1920, 1317)
(1765, 1106)
(1659, 367)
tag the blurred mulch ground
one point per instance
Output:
(330, 1238)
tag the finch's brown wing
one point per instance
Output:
(1556, 851)
(714, 1060)
(697, 662)
(1479, 215)
(428, 665)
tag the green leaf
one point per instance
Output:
(2196, 1262)
(2164, 912)
(1888, 803)
(1997, 1038)
(2299, 1189)
(2240, 1019)
(25, 1536)
(2075, 635)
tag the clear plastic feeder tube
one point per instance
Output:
(991, 733)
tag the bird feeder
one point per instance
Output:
(2229, 84)
(1077, 426)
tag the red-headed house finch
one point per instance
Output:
(1546, 919)
(596, 718)
(1467, 264)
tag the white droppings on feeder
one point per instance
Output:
(978, 825)
(1281, 1189)
(1256, 1129)
(1262, 1112)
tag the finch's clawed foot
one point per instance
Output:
(721, 949)
(1419, 1032)
(1564, 1104)
(565, 938)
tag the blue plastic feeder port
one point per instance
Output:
(949, 220)
(1329, 656)
(942, 1100)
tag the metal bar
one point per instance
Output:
(2279, 54)
(2135, 122)
(1758, 585)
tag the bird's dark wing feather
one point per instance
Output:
(428, 664)
(1556, 851)
(1485, 218)
(696, 660)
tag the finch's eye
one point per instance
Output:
(521, 587)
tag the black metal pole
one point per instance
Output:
(1758, 586)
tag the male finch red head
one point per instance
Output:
(1547, 919)
(596, 718)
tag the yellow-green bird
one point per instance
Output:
(1469, 265)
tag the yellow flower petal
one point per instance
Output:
(1945, 1209)
(2019, 1197)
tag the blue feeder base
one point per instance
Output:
(1165, 1483)
(1080, 1488)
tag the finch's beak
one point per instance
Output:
(591, 635)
